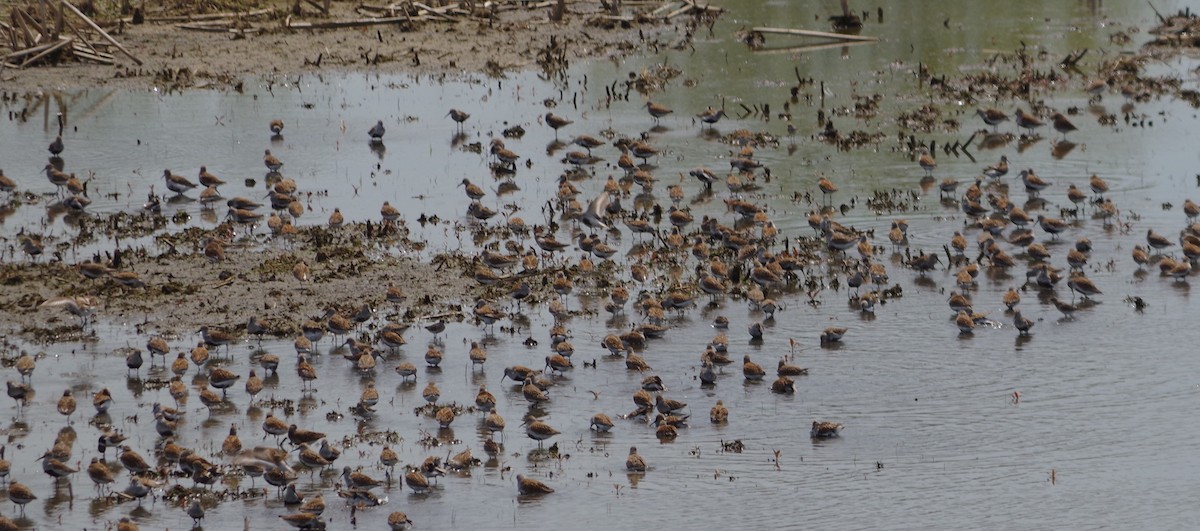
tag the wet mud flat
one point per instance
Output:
(271, 42)
(184, 289)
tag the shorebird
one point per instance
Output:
(20, 495)
(558, 363)
(596, 211)
(444, 416)
(108, 439)
(272, 163)
(964, 322)
(303, 520)
(668, 406)
(298, 436)
(783, 385)
(398, 521)
(824, 430)
(473, 191)
(998, 170)
(215, 337)
(129, 279)
(827, 187)
(506, 157)
(244, 217)
(207, 179)
(1076, 259)
(310, 458)
(635, 463)
(832, 334)
(493, 423)
(992, 117)
(56, 146)
(132, 461)
(601, 423)
(519, 373)
(416, 481)
(1078, 283)
(157, 346)
(643, 151)
(388, 458)
(55, 468)
(276, 127)
(19, 392)
(532, 392)
(666, 432)
(196, 512)
(1157, 241)
(1052, 226)
(388, 212)
(32, 245)
(1011, 298)
(407, 370)
(656, 111)
(458, 116)
(752, 371)
(1179, 270)
(1075, 195)
(56, 177)
(433, 356)
(1033, 183)
(1062, 124)
(711, 116)
(1140, 257)
(77, 188)
(587, 142)
(719, 414)
(708, 376)
(786, 369)
(66, 405)
(538, 430)
(1190, 208)
(133, 361)
(25, 366)
(431, 393)
(273, 425)
(254, 385)
(436, 328)
(1022, 324)
(557, 122)
(1027, 121)
(485, 400)
(314, 505)
(1067, 309)
(376, 132)
(99, 473)
(527, 486)
(232, 444)
(177, 183)
(926, 161)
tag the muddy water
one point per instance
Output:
(1101, 434)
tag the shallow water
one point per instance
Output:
(1100, 435)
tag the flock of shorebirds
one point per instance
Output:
(670, 267)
